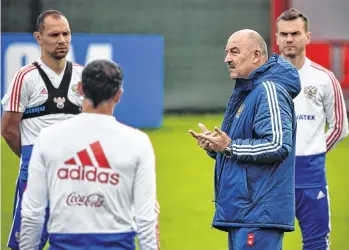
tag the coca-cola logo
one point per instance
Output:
(89, 200)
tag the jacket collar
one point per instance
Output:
(247, 84)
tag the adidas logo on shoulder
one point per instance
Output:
(43, 91)
(320, 195)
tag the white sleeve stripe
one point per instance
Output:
(277, 116)
(272, 123)
(338, 103)
(275, 124)
(17, 86)
(273, 106)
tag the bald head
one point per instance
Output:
(245, 51)
(252, 38)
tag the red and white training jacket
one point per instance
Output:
(27, 89)
(320, 101)
(99, 178)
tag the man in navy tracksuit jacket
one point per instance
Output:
(255, 148)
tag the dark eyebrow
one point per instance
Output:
(292, 33)
(58, 32)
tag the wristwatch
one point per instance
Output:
(228, 152)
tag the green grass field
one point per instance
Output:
(185, 189)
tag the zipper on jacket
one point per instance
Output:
(248, 191)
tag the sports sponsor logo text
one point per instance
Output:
(90, 200)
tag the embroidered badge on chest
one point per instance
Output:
(240, 109)
(60, 102)
(310, 92)
(74, 89)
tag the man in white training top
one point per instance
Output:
(40, 94)
(98, 175)
(320, 101)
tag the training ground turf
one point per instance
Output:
(185, 189)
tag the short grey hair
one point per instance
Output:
(259, 41)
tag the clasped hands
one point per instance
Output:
(211, 141)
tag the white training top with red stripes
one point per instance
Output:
(320, 101)
(28, 90)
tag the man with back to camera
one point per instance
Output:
(40, 94)
(255, 148)
(99, 176)
(320, 101)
